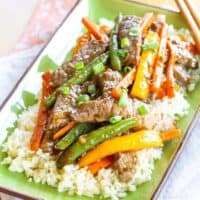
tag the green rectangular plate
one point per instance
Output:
(17, 183)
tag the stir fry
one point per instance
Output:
(87, 113)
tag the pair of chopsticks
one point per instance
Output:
(192, 18)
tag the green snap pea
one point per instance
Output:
(73, 134)
(113, 47)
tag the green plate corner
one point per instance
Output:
(109, 9)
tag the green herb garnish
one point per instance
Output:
(142, 110)
(98, 69)
(115, 119)
(127, 69)
(79, 66)
(65, 90)
(50, 100)
(122, 53)
(134, 32)
(91, 89)
(150, 46)
(125, 42)
(123, 98)
(83, 98)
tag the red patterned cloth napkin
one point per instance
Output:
(46, 17)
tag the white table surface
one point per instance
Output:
(13, 21)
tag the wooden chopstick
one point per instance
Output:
(193, 11)
(191, 23)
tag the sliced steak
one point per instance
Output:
(127, 24)
(105, 106)
(47, 143)
(108, 80)
(183, 55)
(128, 111)
(87, 53)
(60, 113)
(65, 106)
(181, 74)
(59, 116)
(101, 110)
(94, 111)
(125, 165)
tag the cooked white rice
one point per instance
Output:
(162, 113)
(182, 31)
(41, 167)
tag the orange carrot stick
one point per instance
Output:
(159, 63)
(94, 29)
(86, 37)
(42, 114)
(124, 83)
(63, 130)
(192, 48)
(146, 22)
(171, 134)
(103, 163)
(170, 91)
(82, 41)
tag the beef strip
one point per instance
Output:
(105, 106)
(47, 142)
(181, 74)
(65, 106)
(127, 24)
(125, 165)
(185, 61)
(86, 54)
(94, 111)
(108, 80)
(101, 110)
(183, 55)
(60, 114)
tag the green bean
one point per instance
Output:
(113, 47)
(93, 138)
(79, 77)
(73, 134)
